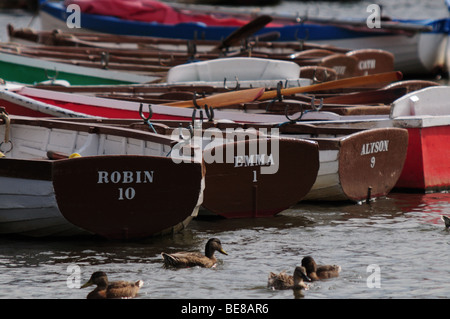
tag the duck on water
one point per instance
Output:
(111, 290)
(192, 259)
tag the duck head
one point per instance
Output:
(213, 245)
(98, 278)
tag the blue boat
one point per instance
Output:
(419, 46)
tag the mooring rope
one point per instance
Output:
(7, 122)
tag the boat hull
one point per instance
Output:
(418, 53)
(138, 205)
(405, 113)
(124, 193)
(276, 175)
(32, 210)
(355, 165)
(29, 70)
(423, 169)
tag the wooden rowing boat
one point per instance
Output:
(354, 164)
(124, 186)
(424, 113)
(31, 70)
(33, 64)
(158, 54)
(418, 46)
(256, 176)
(418, 168)
(21, 100)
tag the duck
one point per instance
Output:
(315, 272)
(192, 259)
(111, 290)
(446, 221)
(283, 281)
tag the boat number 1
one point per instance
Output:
(127, 193)
(254, 176)
(372, 162)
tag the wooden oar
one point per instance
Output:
(244, 32)
(223, 99)
(337, 84)
(383, 96)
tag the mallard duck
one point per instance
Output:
(284, 281)
(191, 259)
(319, 272)
(446, 221)
(109, 290)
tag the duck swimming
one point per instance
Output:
(109, 290)
(315, 272)
(446, 221)
(284, 281)
(192, 259)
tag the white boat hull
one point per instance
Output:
(421, 53)
(29, 207)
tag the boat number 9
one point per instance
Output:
(127, 193)
(372, 162)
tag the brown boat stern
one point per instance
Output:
(261, 183)
(371, 161)
(127, 196)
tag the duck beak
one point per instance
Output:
(89, 283)
(223, 251)
(305, 276)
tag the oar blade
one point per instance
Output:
(244, 32)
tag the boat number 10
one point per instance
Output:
(126, 193)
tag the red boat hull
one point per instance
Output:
(427, 165)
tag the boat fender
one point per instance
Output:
(2, 155)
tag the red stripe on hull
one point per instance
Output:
(102, 111)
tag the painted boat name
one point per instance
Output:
(125, 177)
(375, 147)
(253, 160)
(367, 64)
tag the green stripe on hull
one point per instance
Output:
(32, 75)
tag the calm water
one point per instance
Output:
(402, 235)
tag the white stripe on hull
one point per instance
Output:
(327, 185)
(29, 207)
